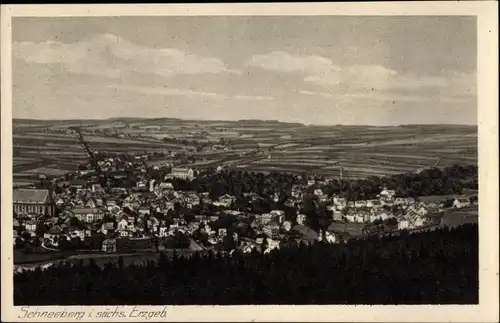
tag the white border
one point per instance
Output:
(487, 19)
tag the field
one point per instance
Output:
(454, 218)
(47, 147)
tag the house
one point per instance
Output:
(418, 221)
(339, 202)
(272, 230)
(122, 224)
(461, 202)
(287, 225)
(200, 217)
(360, 204)
(279, 214)
(96, 188)
(91, 204)
(330, 237)
(141, 184)
(166, 186)
(360, 217)
(193, 199)
(403, 224)
(163, 231)
(107, 227)
(350, 217)
(421, 211)
(227, 200)
(143, 211)
(375, 204)
(184, 173)
(99, 202)
(30, 226)
(110, 202)
(60, 202)
(33, 201)
(271, 245)
(387, 195)
(301, 219)
(337, 215)
(87, 214)
(78, 184)
(296, 192)
(109, 245)
(153, 224)
(80, 234)
(266, 218)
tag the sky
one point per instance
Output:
(324, 70)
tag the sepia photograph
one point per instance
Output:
(243, 160)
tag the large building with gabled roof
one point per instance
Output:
(33, 201)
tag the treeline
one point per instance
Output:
(438, 267)
(432, 181)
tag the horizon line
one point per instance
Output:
(245, 120)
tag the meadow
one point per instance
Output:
(47, 147)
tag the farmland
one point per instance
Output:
(48, 147)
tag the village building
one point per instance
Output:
(287, 226)
(184, 173)
(87, 215)
(272, 230)
(387, 195)
(461, 202)
(109, 245)
(301, 219)
(33, 201)
(403, 224)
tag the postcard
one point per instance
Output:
(250, 162)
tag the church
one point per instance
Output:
(33, 201)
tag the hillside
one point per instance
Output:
(46, 147)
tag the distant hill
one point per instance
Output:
(253, 122)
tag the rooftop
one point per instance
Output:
(86, 210)
(30, 195)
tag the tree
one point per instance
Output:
(178, 241)
(228, 243)
(41, 229)
(388, 270)
(26, 236)
(74, 222)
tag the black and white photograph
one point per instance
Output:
(168, 160)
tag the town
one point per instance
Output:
(122, 203)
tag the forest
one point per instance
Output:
(433, 267)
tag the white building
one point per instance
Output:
(461, 202)
(403, 224)
(184, 173)
(301, 219)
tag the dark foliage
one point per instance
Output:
(438, 267)
(432, 181)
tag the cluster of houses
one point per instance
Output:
(82, 207)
